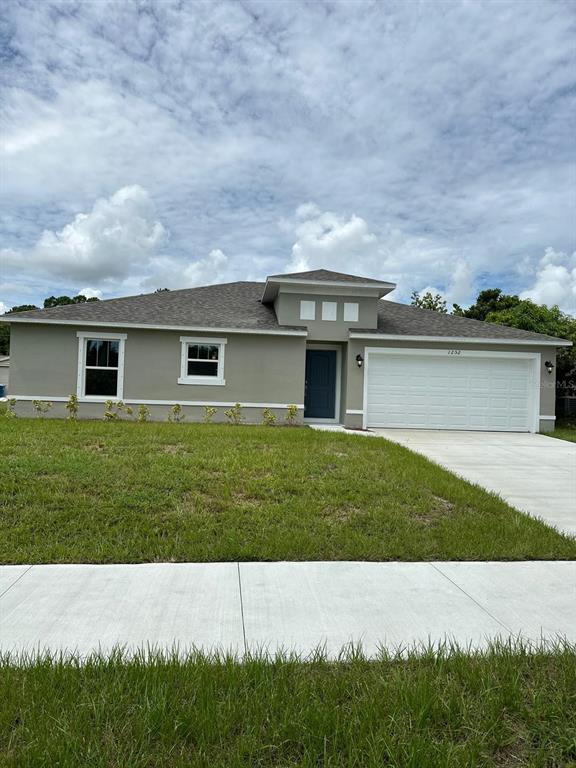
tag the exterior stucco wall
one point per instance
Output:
(355, 375)
(259, 369)
(287, 306)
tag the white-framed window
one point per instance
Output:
(329, 309)
(351, 312)
(202, 361)
(100, 366)
(307, 310)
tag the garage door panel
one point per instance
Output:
(437, 392)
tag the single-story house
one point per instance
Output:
(327, 342)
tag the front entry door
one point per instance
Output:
(320, 394)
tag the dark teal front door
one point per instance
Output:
(320, 395)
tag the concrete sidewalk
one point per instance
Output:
(290, 606)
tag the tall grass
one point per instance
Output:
(509, 705)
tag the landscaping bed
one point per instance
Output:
(128, 492)
(504, 707)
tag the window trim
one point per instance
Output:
(329, 307)
(206, 381)
(83, 337)
(353, 308)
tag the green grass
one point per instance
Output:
(504, 707)
(128, 492)
(564, 431)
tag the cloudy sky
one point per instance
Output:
(171, 144)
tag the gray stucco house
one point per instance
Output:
(327, 342)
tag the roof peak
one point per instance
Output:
(325, 275)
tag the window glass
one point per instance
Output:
(100, 381)
(203, 359)
(351, 312)
(102, 353)
(329, 310)
(307, 310)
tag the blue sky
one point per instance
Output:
(171, 144)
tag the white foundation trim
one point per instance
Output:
(457, 340)
(547, 418)
(354, 412)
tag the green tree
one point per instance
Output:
(549, 320)
(488, 301)
(429, 300)
(51, 301)
(5, 328)
(62, 301)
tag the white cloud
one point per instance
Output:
(3, 308)
(119, 234)
(90, 293)
(448, 151)
(326, 237)
(347, 244)
(215, 268)
(555, 281)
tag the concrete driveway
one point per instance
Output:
(534, 473)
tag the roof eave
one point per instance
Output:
(272, 284)
(280, 331)
(460, 339)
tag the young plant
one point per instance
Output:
(110, 411)
(268, 418)
(72, 407)
(175, 415)
(143, 413)
(291, 415)
(41, 407)
(209, 413)
(10, 413)
(114, 411)
(234, 414)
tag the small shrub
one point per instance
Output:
(268, 418)
(113, 411)
(10, 413)
(175, 414)
(234, 414)
(209, 413)
(291, 415)
(41, 407)
(72, 407)
(143, 413)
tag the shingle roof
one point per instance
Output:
(230, 305)
(238, 305)
(406, 320)
(326, 275)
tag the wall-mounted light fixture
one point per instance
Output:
(359, 360)
(549, 366)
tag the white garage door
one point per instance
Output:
(449, 390)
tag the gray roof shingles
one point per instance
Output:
(238, 305)
(326, 275)
(406, 320)
(231, 305)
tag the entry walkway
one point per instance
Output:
(290, 606)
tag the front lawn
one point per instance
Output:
(505, 707)
(565, 430)
(129, 492)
